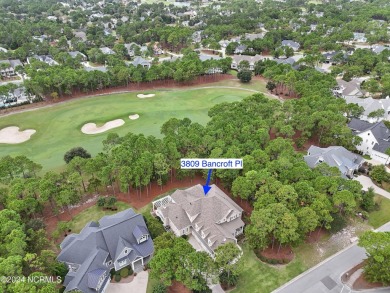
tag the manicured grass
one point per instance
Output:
(262, 278)
(151, 283)
(94, 213)
(378, 218)
(58, 127)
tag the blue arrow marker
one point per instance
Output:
(206, 188)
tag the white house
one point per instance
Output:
(375, 139)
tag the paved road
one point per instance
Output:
(325, 277)
(367, 182)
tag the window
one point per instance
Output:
(126, 251)
(109, 263)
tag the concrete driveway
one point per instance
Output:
(138, 285)
(367, 182)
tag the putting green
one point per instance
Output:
(59, 127)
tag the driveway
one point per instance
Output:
(367, 182)
(326, 276)
(138, 285)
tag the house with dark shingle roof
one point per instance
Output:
(114, 242)
(213, 220)
(335, 156)
(293, 45)
(375, 139)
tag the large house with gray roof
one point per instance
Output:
(375, 139)
(335, 156)
(213, 220)
(115, 242)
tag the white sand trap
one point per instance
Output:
(12, 135)
(142, 96)
(133, 117)
(91, 128)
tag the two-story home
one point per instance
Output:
(213, 220)
(375, 139)
(237, 59)
(48, 59)
(335, 156)
(114, 242)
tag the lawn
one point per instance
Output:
(261, 278)
(58, 127)
(382, 216)
(93, 213)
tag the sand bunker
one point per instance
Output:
(142, 96)
(12, 135)
(91, 128)
(133, 117)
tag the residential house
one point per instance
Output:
(377, 49)
(293, 45)
(359, 37)
(81, 35)
(251, 59)
(348, 89)
(213, 220)
(375, 139)
(74, 54)
(10, 70)
(107, 51)
(335, 156)
(371, 105)
(224, 43)
(115, 242)
(240, 49)
(141, 61)
(329, 57)
(197, 37)
(48, 59)
(252, 37)
(40, 38)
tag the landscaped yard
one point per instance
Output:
(58, 127)
(262, 278)
(378, 218)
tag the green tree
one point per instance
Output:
(377, 266)
(245, 75)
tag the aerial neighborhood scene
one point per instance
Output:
(177, 146)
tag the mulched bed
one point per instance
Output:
(361, 284)
(178, 287)
(273, 256)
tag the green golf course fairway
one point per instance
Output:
(59, 127)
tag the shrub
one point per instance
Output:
(76, 152)
(101, 202)
(124, 272)
(117, 278)
(111, 201)
(159, 288)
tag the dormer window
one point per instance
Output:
(143, 238)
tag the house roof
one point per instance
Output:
(140, 61)
(379, 130)
(74, 54)
(369, 104)
(377, 49)
(350, 88)
(334, 156)
(290, 43)
(191, 206)
(100, 242)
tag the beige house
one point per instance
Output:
(213, 220)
